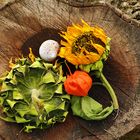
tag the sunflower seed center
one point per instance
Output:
(84, 41)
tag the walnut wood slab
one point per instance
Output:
(27, 23)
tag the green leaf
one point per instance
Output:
(22, 61)
(48, 65)
(64, 96)
(6, 87)
(17, 95)
(8, 112)
(85, 67)
(89, 109)
(22, 69)
(22, 109)
(53, 104)
(76, 106)
(107, 50)
(21, 120)
(61, 106)
(48, 78)
(33, 78)
(59, 89)
(47, 91)
(1, 80)
(97, 66)
(25, 92)
(29, 128)
(33, 110)
(7, 119)
(11, 103)
(105, 113)
(1, 101)
(13, 80)
(4, 94)
(61, 78)
(90, 106)
(50, 121)
(37, 64)
(59, 115)
(10, 75)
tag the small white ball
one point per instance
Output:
(48, 50)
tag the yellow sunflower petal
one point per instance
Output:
(62, 32)
(62, 52)
(73, 31)
(83, 59)
(86, 27)
(67, 39)
(100, 30)
(78, 27)
(11, 64)
(64, 43)
(85, 23)
(87, 52)
(71, 38)
(99, 48)
(31, 55)
(72, 59)
(99, 34)
(93, 57)
(65, 51)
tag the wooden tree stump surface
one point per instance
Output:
(27, 23)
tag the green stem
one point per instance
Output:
(98, 84)
(110, 90)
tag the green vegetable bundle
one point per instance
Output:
(32, 94)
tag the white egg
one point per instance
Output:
(48, 50)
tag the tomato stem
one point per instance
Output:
(110, 90)
(68, 68)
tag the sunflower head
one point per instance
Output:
(83, 44)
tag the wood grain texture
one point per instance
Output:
(3, 3)
(28, 23)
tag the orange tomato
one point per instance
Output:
(78, 84)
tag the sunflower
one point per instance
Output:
(83, 44)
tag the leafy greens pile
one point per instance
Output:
(32, 93)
